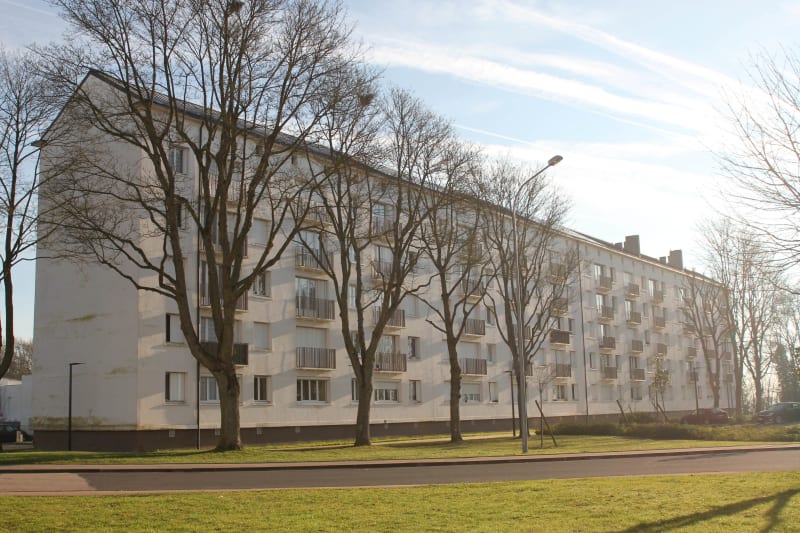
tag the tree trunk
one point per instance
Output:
(455, 395)
(362, 416)
(228, 385)
(8, 345)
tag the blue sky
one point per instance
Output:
(628, 92)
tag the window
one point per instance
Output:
(490, 316)
(636, 393)
(574, 392)
(493, 392)
(592, 361)
(173, 387)
(311, 289)
(261, 336)
(351, 296)
(262, 389)
(471, 392)
(415, 391)
(560, 393)
(491, 352)
(207, 331)
(354, 389)
(262, 284)
(180, 215)
(208, 389)
(173, 330)
(177, 159)
(412, 305)
(386, 391)
(312, 390)
(413, 347)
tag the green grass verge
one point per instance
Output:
(707, 503)
(487, 446)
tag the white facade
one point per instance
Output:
(136, 373)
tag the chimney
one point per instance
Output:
(632, 244)
(662, 259)
(676, 259)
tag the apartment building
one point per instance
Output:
(136, 386)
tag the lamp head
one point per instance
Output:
(556, 159)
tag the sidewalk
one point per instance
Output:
(207, 467)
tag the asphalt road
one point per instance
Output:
(231, 478)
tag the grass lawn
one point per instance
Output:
(722, 502)
(487, 446)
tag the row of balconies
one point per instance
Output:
(605, 284)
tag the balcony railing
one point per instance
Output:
(307, 357)
(637, 346)
(559, 337)
(308, 307)
(608, 343)
(605, 312)
(559, 307)
(563, 370)
(317, 213)
(658, 297)
(305, 258)
(689, 329)
(527, 333)
(475, 326)
(632, 290)
(659, 322)
(691, 351)
(605, 283)
(634, 318)
(241, 301)
(473, 366)
(390, 362)
(608, 372)
(637, 374)
(472, 287)
(396, 320)
(558, 273)
(241, 351)
(381, 269)
(382, 225)
(661, 349)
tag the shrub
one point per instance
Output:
(603, 428)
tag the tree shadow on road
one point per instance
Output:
(779, 502)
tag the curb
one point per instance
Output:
(389, 463)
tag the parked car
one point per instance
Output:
(779, 413)
(8, 431)
(707, 416)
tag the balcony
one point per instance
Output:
(317, 214)
(472, 287)
(390, 362)
(637, 346)
(474, 326)
(396, 320)
(661, 349)
(382, 225)
(659, 322)
(234, 187)
(320, 358)
(304, 258)
(634, 318)
(472, 366)
(658, 297)
(563, 370)
(632, 290)
(558, 273)
(637, 374)
(241, 351)
(381, 269)
(605, 313)
(604, 284)
(689, 329)
(317, 308)
(608, 372)
(218, 244)
(241, 301)
(608, 343)
(559, 307)
(691, 352)
(527, 333)
(559, 337)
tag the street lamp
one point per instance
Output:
(69, 412)
(523, 393)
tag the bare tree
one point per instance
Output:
(373, 223)
(547, 262)
(219, 97)
(705, 316)
(26, 107)
(764, 159)
(737, 258)
(786, 348)
(22, 363)
(452, 247)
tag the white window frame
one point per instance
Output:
(268, 344)
(173, 322)
(209, 391)
(175, 387)
(317, 391)
(471, 397)
(179, 165)
(262, 285)
(386, 392)
(493, 395)
(413, 347)
(415, 391)
(262, 389)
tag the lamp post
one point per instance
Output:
(523, 393)
(69, 408)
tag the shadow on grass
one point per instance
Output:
(779, 502)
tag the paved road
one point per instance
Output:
(165, 478)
